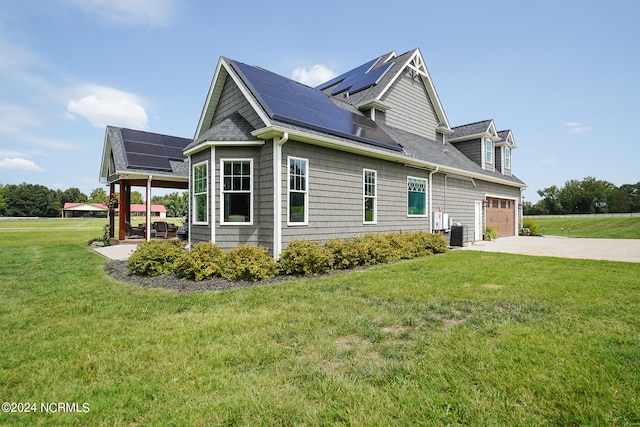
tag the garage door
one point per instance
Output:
(501, 215)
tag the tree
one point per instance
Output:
(177, 204)
(98, 195)
(3, 199)
(32, 200)
(72, 195)
(550, 201)
(136, 198)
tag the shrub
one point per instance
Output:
(155, 257)
(490, 233)
(379, 248)
(206, 260)
(248, 262)
(105, 237)
(346, 253)
(304, 257)
(531, 225)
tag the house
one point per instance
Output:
(75, 210)
(371, 150)
(139, 209)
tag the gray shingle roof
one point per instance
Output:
(234, 127)
(470, 129)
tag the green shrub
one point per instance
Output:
(531, 225)
(346, 253)
(379, 248)
(490, 233)
(425, 243)
(155, 257)
(205, 260)
(248, 262)
(105, 237)
(305, 257)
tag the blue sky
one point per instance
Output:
(563, 75)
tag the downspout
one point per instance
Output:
(431, 198)
(148, 207)
(277, 193)
(189, 203)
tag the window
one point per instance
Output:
(298, 191)
(370, 196)
(488, 148)
(507, 158)
(416, 197)
(237, 194)
(200, 193)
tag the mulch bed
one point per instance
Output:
(120, 271)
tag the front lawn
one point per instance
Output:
(460, 338)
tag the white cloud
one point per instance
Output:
(577, 128)
(549, 160)
(18, 164)
(155, 13)
(103, 106)
(18, 123)
(317, 74)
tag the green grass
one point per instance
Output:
(466, 337)
(610, 228)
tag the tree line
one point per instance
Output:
(34, 200)
(588, 196)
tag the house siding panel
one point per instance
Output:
(200, 233)
(232, 100)
(333, 173)
(411, 108)
(472, 149)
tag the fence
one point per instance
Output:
(601, 215)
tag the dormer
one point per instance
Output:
(477, 141)
(394, 90)
(504, 151)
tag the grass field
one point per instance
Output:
(611, 228)
(461, 338)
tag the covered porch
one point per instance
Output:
(134, 158)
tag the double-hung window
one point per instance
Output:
(488, 150)
(237, 190)
(370, 196)
(200, 181)
(298, 191)
(416, 196)
(507, 158)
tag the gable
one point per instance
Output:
(410, 107)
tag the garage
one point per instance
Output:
(501, 215)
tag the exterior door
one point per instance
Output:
(477, 232)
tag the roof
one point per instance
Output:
(471, 130)
(136, 152)
(68, 206)
(137, 207)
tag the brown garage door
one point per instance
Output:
(501, 215)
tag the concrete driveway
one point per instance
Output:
(627, 250)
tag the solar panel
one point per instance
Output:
(292, 102)
(370, 79)
(152, 151)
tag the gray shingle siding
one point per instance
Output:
(472, 149)
(333, 172)
(199, 233)
(411, 109)
(232, 100)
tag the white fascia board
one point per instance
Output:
(207, 144)
(156, 176)
(328, 142)
(223, 69)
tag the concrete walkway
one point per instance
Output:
(627, 250)
(117, 252)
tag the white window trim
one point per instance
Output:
(507, 150)
(305, 192)
(426, 206)
(374, 197)
(488, 151)
(193, 207)
(222, 192)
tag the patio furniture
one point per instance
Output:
(134, 232)
(162, 229)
